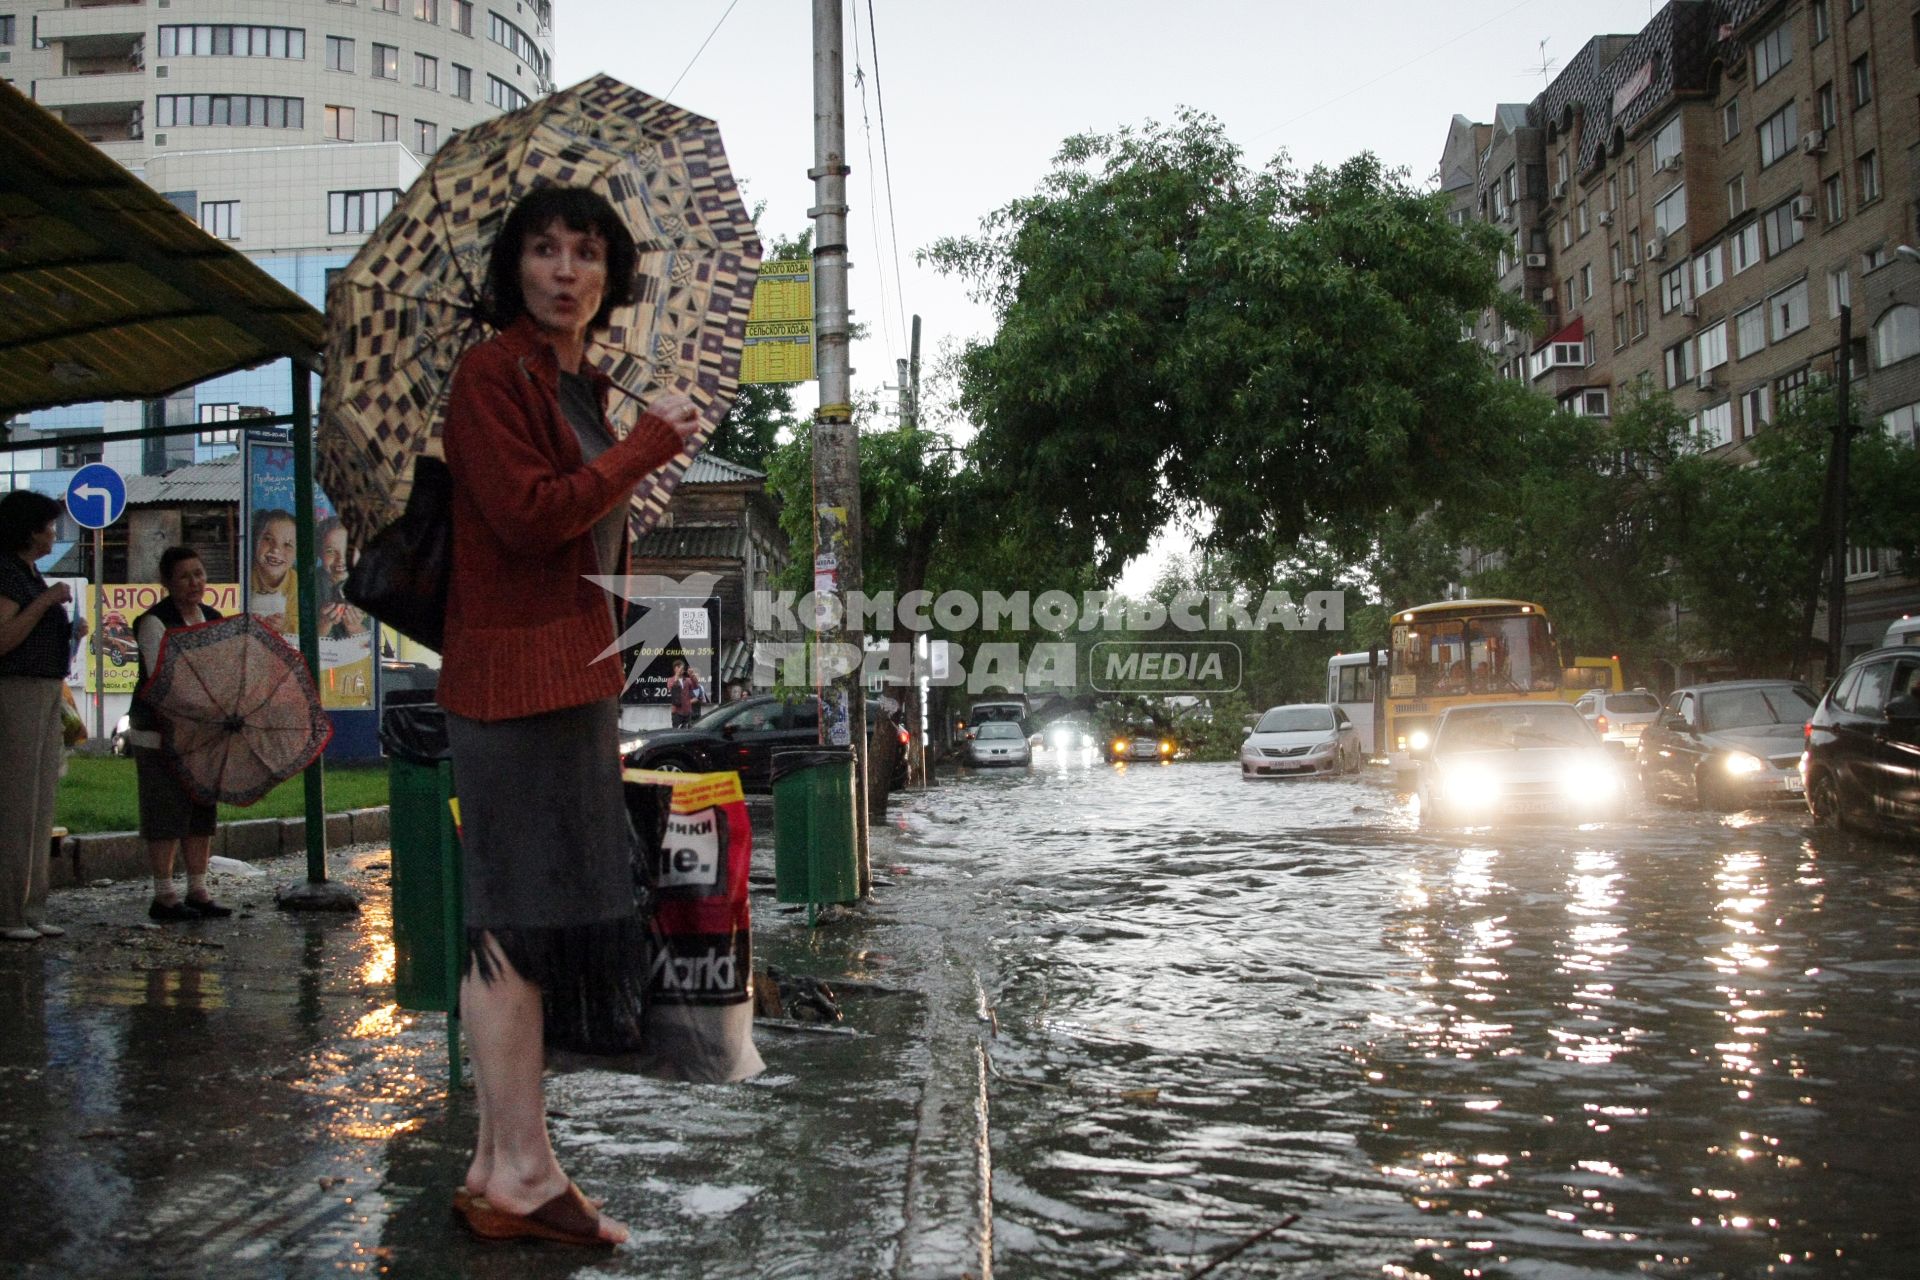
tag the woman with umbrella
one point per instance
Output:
(555, 937)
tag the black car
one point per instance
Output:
(1863, 745)
(742, 737)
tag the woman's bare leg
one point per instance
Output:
(502, 1018)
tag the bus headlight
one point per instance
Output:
(1419, 740)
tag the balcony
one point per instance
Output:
(79, 21)
(128, 88)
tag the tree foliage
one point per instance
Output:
(1181, 334)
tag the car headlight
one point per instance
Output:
(1590, 780)
(1322, 749)
(1741, 763)
(631, 745)
(1419, 740)
(1166, 748)
(1471, 786)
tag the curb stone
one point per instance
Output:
(122, 855)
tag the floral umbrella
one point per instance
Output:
(239, 712)
(404, 310)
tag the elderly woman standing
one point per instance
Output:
(555, 937)
(34, 634)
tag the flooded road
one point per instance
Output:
(1680, 1045)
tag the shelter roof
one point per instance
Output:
(216, 481)
(707, 469)
(109, 292)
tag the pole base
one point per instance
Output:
(309, 895)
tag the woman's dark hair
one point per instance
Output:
(24, 513)
(580, 209)
(172, 558)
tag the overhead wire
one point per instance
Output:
(697, 52)
(873, 190)
(886, 159)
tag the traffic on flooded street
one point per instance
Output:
(1680, 1043)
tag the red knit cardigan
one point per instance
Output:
(524, 625)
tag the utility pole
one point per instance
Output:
(913, 377)
(836, 445)
(1837, 482)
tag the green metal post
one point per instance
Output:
(307, 550)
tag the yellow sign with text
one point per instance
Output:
(779, 341)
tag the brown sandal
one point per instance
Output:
(568, 1218)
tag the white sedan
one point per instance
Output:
(997, 742)
(1518, 760)
(1301, 740)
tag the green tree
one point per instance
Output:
(1181, 334)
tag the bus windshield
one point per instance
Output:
(1440, 656)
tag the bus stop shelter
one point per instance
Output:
(109, 292)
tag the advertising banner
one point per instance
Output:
(112, 631)
(695, 643)
(270, 574)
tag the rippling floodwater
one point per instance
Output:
(1680, 1045)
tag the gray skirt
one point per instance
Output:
(548, 860)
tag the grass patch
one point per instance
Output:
(98, 794)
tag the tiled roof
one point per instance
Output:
(216, 481)
(707, 469)
(692, 542)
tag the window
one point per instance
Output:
(220, 219)
(339, 53)
(1670, 211)
(426, 137)
(1512, 184)
(427, 10)
(1615, 259)
(1868, 169)
(1580, 212)
(1708, 272)
(1873, 259)
(1639, 319)
(1736, 195)
(206, 40)
(1771, 52)
(1788, 389)
(387, 125)
(426, 71)
(1632, 184)
(1788, 308)
(1591, 404)
(508, 36)
(1779, 134)
(1586, 282)
(1839, 290)
(220, 413)
(1862, 82)
(1713, 347)
(1633, 247)
(357, 212)
(337, 124)
(6, 28)
(1855, 6)
(462, 82)
(1613, 193)
(1679, 364)
(1715, 425)
(1666, 144)
(1592, 354)
(1567, 294)
(1896, 335)
(1754, 413)
(1835, 195)
(1822, 22)
(1863, 562)
(1903, 424)
(181, 110)
(503, 95)
(386, 62)
(1673, 290)
(1784, 230)
(389, 6)
(1730, 120)
(462, 17)
(1744, 247)
(1566, 233)
(1750, 331)
(1619, 330)
(1829, 105)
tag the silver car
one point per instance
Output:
(1503, 760)
(1619, 717)
(997, 742)
(1728, 744)
(1301, 740)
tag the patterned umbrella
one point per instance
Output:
(239, 713)
(400, 315)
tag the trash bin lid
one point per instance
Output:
(796, 759)
(415, 731)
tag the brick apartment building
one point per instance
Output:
(1690, 206)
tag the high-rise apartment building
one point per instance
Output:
(286, 127)
(1697, 201)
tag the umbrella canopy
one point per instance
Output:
(239, 712)
(403, 312)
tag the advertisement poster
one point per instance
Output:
(271, 574)
(696, 641)
(112, 632)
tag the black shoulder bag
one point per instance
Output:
(401, 576)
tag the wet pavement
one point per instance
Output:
(1106, 1021)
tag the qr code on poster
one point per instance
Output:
(693, 624)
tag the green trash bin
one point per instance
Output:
(429, 926)
(814, 855)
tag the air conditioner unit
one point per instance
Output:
(1630, 274)
(1606, 217)
(1559, 188)
(1546, 298)
(1705, 380)
(1536, 259)
(1671, 162)
(1815, 143)
(1690, 309)
(1802, 209)
(1657, 248)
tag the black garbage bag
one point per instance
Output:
(415, 731)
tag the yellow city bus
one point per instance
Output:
(1463, 651)
(1588, 675)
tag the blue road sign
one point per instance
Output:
(96, 496)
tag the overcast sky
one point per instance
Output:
(978, 95)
